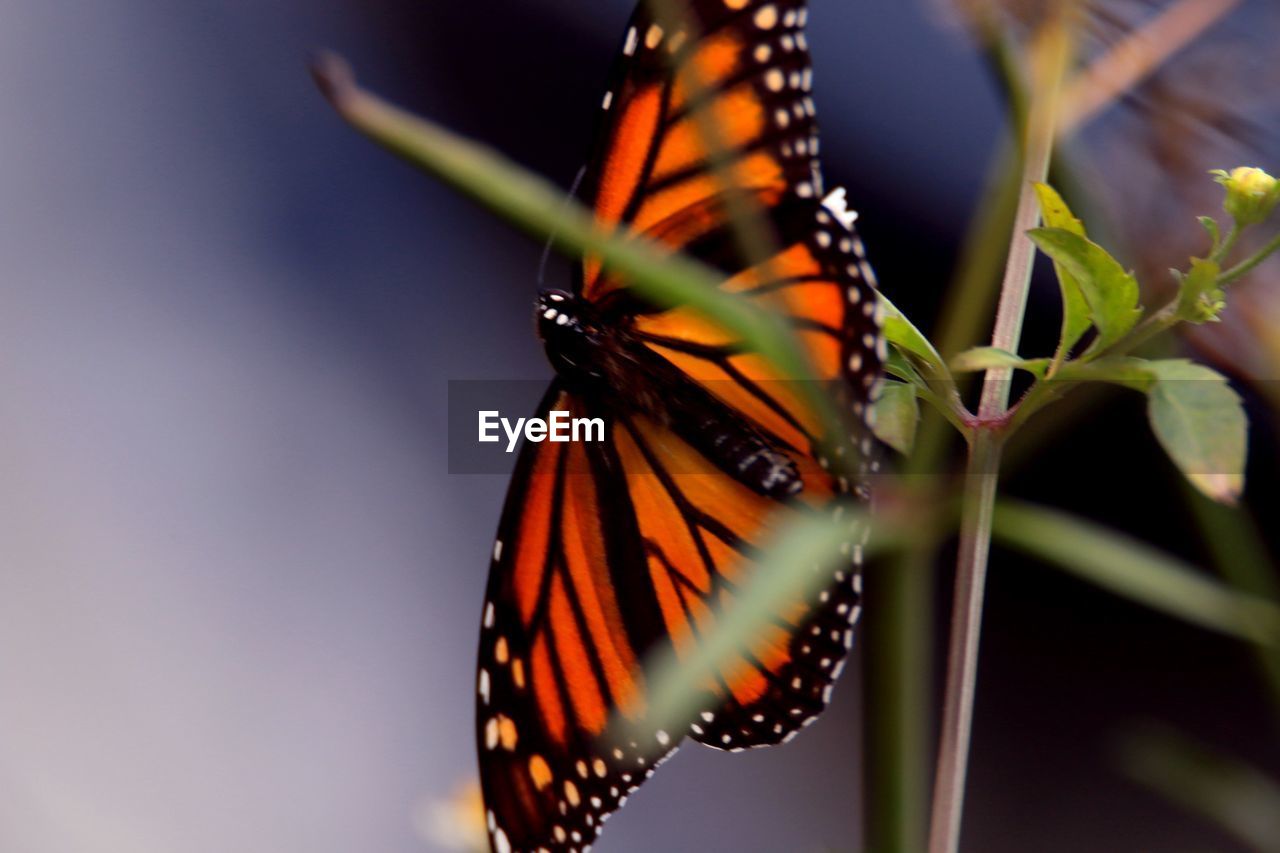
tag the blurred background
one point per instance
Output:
(239, 591)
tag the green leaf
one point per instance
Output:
(1200, 299)
(1197, 418)
(1128, 371)
(1075, 310)
(1201, 424)
(897, 366)
(1111, 293)
(901, 333)
(1132, 569)
(895, 415)
(987, 358)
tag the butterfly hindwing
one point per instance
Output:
(567, 616)
(606, 554)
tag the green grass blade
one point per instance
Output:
(1235, 796)
(538, 207)
(1134, 570)
(798, 562)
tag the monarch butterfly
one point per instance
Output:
(607, 552)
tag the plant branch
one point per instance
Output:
(1248, 265)
(1051, 56)
(1220, 252)
(1157, 322)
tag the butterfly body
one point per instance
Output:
(613, 552)
(612, 367)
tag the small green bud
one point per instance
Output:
(1251, 194)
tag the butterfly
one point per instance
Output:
(609, 552)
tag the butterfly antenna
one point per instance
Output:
(546, 250)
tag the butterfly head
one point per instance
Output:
(570, 334)
(556, 309)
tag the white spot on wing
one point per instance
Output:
(839, 207)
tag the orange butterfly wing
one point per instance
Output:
(609, 552)
(558, 653)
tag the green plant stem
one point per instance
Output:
(1246, 266)
(900, 596)
(898, 673)
(984, 452)
(1166, 317)
(898, 681)
(978, 503)
(971, 294)
(1220, 252)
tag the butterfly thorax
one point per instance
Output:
(602, 359)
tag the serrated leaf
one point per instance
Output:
(1110, 291)
(987, 358)
(901, 333)
(895, 416)
(1055, 212)
(1075, 309)
(1200, 422)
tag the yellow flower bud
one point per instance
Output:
(1252, 194)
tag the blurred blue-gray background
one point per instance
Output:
(239, 591)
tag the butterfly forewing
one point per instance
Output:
(709, 108)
